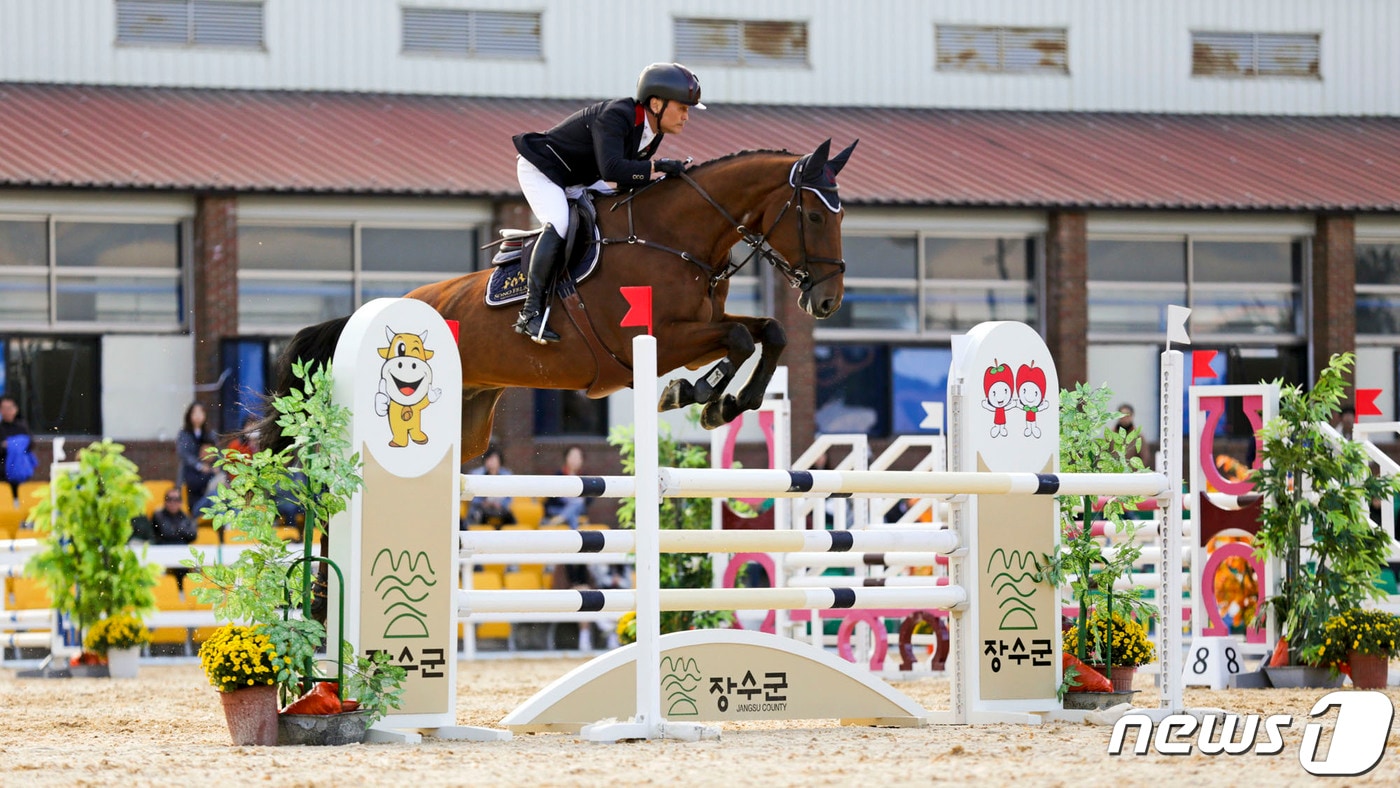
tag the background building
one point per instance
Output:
(183, 183)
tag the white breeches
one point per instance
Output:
(546, 198)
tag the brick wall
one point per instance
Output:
(214, 301)
(1333, 289)
(1067, 295)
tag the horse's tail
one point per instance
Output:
(311, 344)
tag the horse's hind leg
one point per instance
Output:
(478, 412)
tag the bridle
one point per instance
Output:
(800, 278)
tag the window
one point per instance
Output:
(935, 286)
(1240, 290)
(118, 274)
(1005, 50)
(55, 380)
(476, 34)
(291, 275)
(972, 280)
(206, 23)
(1215, 54)
(1378, 290)
(853, 389)
(741, 42)
(569, 413)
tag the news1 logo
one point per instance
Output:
(1357, 744)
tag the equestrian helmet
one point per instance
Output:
(670, 81)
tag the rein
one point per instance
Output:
(758, 242)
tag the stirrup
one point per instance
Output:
(539, 334)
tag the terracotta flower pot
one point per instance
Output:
(1121, 676)
(251, 714)
(1368, 671)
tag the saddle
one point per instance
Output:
(581, 250)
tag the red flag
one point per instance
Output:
(1366, 402)
(456, 329)
(638, 307)
(1200, 364)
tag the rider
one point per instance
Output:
(608, 141)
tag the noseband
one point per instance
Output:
(800, 278)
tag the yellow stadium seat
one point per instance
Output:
(490, 578)
(170, 635)
(556, 527)
(490, 581)
(521, 527)
(167, 593)
(30, 494)
(10, 519)
(524, 581)
(527, 510)
(583, 526)
(29, 594)
(7, 497)
(481, 528)
(206, 535)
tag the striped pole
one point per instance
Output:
(548, 486)
(824, 560)
(747, 482)
(621, 601)
(855, 581)
(486, 543)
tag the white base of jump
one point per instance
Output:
(454, 733)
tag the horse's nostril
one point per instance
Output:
(828, 305)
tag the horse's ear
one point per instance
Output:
(839, 160)
(816, 160)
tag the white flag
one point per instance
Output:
(1176, 324)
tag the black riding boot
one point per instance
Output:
(549, 249)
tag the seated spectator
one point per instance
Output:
(485, 510)
(172, 525)
(567, 510)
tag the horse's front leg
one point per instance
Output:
(729, 340)
(761, 330)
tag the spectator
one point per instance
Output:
(485, 510)
(567, 510)
(1125, 425)
(172, 525)
(13, 432)
(195, 440)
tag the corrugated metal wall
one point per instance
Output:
(1129, 55)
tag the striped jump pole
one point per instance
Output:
(827, 560)
(621, 601)
(548, 486)
(750, 482)
(485, 543)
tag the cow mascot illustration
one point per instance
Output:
(405, 386)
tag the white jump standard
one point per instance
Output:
(400, 550)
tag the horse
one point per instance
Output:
(675, 235)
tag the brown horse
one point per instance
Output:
(676, 236)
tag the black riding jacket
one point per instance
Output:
(599, 142)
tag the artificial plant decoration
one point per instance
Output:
(1315, 514)
(86, 563)
(678, 570)
(1090, 443)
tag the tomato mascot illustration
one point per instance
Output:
(998, 386)
(1030, 395)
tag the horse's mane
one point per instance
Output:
(743, 154)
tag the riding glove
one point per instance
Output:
(669, 166)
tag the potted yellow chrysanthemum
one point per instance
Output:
(1131, 647)
(1362, 642)
(119, 638)
(242, 664)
